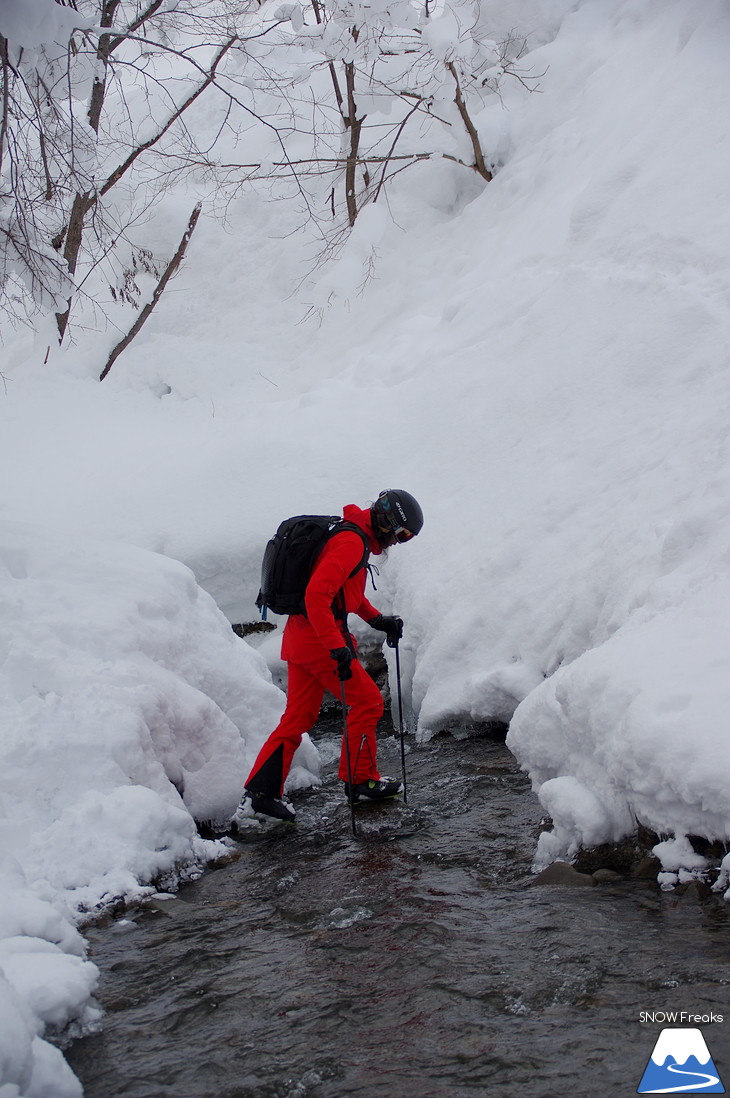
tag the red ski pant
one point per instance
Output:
(305, 691)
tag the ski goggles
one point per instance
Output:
(398, 531)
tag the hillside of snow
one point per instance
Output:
(540, 360)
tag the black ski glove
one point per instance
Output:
(391, 626)
(343, 659)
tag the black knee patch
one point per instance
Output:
(266, 782)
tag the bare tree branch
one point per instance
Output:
(103, 51)
(84, 202)
(133, 27)
(479, 164)
(387, 159)
(123, 168)
(316, 5)
(6, 97)
(354, 125)
(169, 271)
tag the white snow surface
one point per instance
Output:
(541, 361)
(129, 709)
(28, 24)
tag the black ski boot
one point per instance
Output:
(256, 813)
(380, 789)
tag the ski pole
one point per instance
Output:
(400, 723)
(347, 757)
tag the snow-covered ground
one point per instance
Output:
(541, 361)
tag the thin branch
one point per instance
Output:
(330, 64)
(138, 22)
(389, 155)
(169, 271)
(479, 164)
(121, 169)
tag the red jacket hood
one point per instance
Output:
(361, 518)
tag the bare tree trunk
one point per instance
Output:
(354, 125)
(479, 163)
(103, 52)
(169, 271)
(6, 97)
(350, 119)
(107, 45)
(73, 236)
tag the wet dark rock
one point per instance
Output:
(564, 876)
(249, 628)
(694, 892)
(462, 730)
(372, 658)
(646, 838)
(647, 868)
(605, 876)
(167, 907)
(633, 857)
(621, 857)
(708, 849)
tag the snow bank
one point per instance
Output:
(44, 980)
(28, 24)
(129, 709)
(639, 723)
(542, 361)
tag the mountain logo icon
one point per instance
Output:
(680, 1063)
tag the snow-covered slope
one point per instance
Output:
(130, 709)
(541, 361)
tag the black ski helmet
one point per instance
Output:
(401, 511)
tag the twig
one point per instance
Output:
(169, 271)
(479, 164)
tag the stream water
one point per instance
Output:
(417, 959)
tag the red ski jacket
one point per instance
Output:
(312, 637)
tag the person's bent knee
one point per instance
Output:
(369, 701)
(378, 705)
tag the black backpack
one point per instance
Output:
(289, 559)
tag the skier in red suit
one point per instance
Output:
(320, 655)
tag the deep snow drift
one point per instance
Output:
(130, 709)
(540, 361)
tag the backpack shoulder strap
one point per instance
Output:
(342, 526)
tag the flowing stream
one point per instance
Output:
(417, 960)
